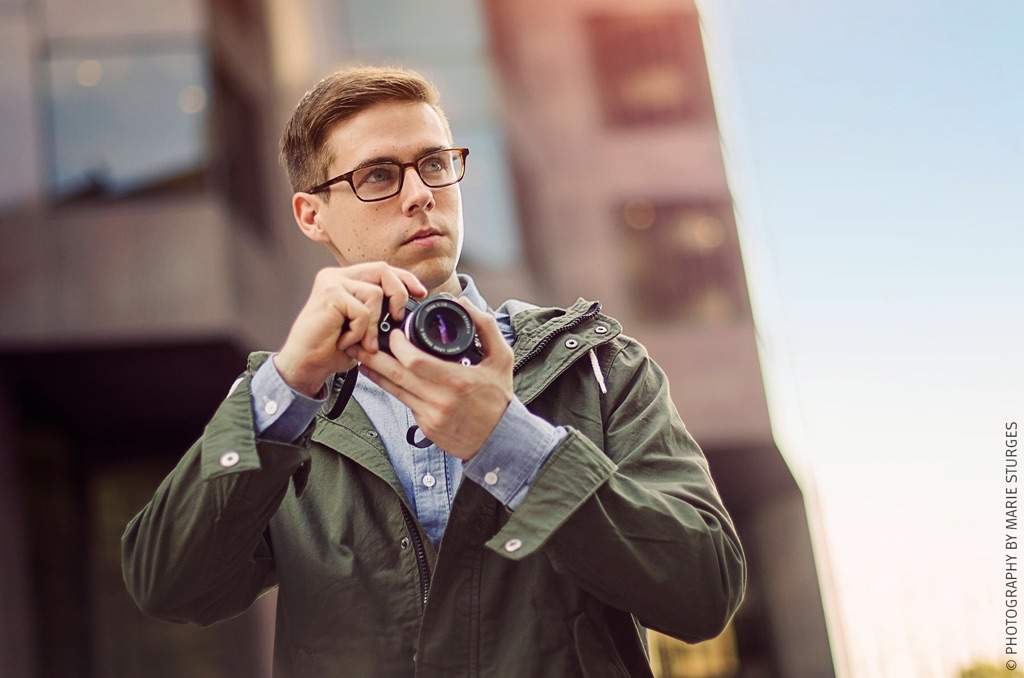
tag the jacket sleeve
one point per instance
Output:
(640, 524)
(199, 550)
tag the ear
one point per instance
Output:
(306, 208)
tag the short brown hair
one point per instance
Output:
(338, 97)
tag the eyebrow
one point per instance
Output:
(376, 160)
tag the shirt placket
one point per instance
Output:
(431, 493)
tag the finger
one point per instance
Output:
(355, 331)
(396, 292)
(487, 329)
(389, 368)
(411, 281)
(422, 364)
(374, 271)
(355, 314)
(411, 400)
(372, 297)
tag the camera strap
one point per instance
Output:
(347, 387)
(410, 437)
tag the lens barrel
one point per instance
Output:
(441, 327)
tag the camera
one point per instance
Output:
(437, 325)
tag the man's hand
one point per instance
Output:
(456, 406)
(343, 309)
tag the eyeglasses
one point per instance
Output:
(384, 180)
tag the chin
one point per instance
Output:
(433, 272)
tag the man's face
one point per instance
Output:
(386, 230)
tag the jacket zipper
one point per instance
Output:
(421, 555)
(594, 309)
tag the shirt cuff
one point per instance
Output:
(280, 413)
(510, 458)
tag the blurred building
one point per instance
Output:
(149, 247)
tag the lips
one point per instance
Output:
(422, 233)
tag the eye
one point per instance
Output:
(378, 174)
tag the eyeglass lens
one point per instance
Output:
(384, 180)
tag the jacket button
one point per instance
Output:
(513, 545)
(404, 543)
(229, 459)
(372, 434)
(601, 329)
(571, 343)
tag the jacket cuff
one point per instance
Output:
(280, 413)
(230, 447)
(573, 472)
(511, 457)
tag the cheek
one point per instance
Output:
(362, 238)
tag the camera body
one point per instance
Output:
(437, 325)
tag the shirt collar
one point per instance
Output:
(470, 291)
(503, 319)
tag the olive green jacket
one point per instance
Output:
(622, 529)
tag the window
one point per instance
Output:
(649, 68)
(682, 260)
(127, 121)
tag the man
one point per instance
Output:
(561, 509)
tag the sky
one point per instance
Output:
(874, 152)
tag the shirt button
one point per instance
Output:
(229, 459)
(491, 477)
(429, 480)
(270, 407)
(513, 545)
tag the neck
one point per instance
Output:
(452, 286)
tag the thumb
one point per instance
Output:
(486, 328)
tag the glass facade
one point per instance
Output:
(126, 122)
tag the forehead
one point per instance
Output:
(400, 130)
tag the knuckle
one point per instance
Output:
(447, 407)
(324, 274)
(459, 383)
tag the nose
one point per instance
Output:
(415, 194)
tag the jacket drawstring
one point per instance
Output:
(597, 371)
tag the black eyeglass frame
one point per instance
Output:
(347, 176)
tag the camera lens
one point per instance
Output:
(441, 327)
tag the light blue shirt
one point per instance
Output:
(505, 465)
